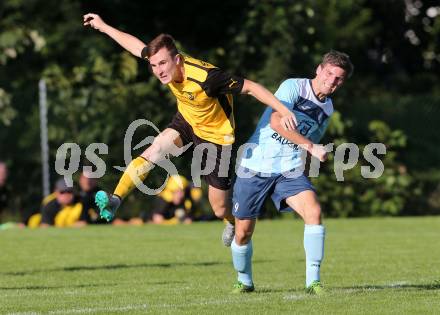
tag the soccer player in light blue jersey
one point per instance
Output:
(272, 165)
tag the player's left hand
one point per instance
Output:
(288, 121)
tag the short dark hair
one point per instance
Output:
(161, 41)
(339, 59)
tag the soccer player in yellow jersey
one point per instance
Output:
(205, 115)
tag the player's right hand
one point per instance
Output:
(319, 152)
(288, 121)
(94, 21)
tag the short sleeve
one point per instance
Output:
(288, 92)
(219, 82)
(144, 53)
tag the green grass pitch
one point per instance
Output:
(371, 266)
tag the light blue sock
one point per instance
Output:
(314, 236)
(242, 260)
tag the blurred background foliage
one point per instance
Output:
(95, 89)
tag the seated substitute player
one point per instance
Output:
(88, 189)
(270, 168)
(62, 208)
(175, 204)
(205, 115)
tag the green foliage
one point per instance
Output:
(7, 113)
(359, 196)
(292, 37)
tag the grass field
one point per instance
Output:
(372, 266)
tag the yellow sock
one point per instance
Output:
(229, 218)
(137, 170)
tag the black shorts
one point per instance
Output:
(221, 175)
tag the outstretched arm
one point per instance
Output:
(317, 151)
(262, 94)
(127, 41)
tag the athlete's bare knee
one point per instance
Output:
(219, 201)
(242, 237)
(220, 210)
(313, 214)
(154, 152)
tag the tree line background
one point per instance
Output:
(96, 89)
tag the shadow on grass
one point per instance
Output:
(43, 287)
(276, 290)
(435, 285)
(121, 266)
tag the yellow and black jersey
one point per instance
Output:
(205, 100)
(164, 203)
(53, 213)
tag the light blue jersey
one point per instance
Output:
(268, 151)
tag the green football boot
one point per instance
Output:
(242, 288)
(107, 204)
(315, 288)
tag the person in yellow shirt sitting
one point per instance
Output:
(175, 204)
(61, 208)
